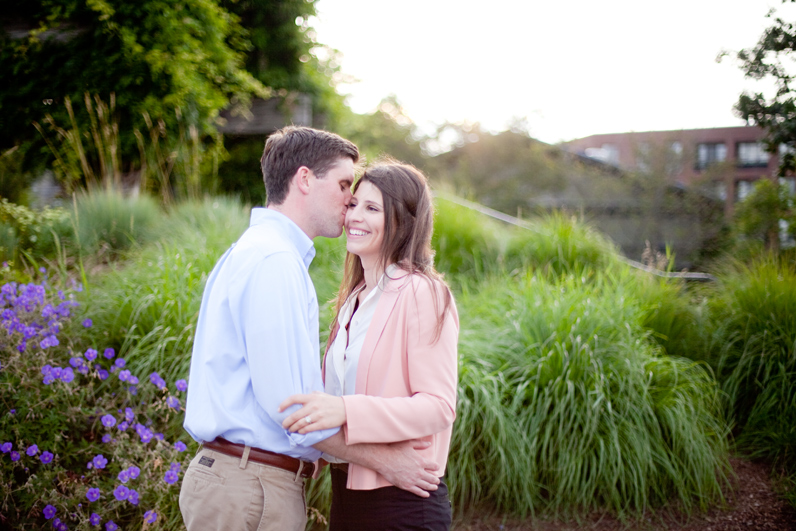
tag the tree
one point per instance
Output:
(155, 55)
(759, 215)
(770, 58)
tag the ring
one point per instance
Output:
(307, 419)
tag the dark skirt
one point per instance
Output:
(387, 508)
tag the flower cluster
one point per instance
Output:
(72, 388)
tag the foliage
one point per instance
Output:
(769, 59)
(386, 131)
(758, 216)
(106, 222)
(155, 55)
(12, 179)
(754, 352)
(35, 233)
(81, 439)
(148, 309)
(566, 406)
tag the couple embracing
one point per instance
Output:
(381, 407)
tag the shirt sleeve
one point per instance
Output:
(274, 305)
(432, 376)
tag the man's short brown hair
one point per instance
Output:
(293, 147)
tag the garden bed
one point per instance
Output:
(753, 504)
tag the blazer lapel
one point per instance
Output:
(384, 309)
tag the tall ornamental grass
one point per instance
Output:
(754, 352)
(148, 308)
(106, 222)
(566, 405)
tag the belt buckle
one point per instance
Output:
(307, 468)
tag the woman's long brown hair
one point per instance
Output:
(408, 225)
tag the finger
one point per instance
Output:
(293, 399)
(430, 478)
(426, 486)
(297, 416)
(418, 444)
(430, 466)
(418, 491)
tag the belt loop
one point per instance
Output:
(245, 457)
(298, 472)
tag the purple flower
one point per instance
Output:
(49, 341)
(93, 495)
(110, 526)
(12, 412)
(124, 375)
(76, 361)
(67, 375)
(82, 369)
(99, 461)
(15, 456)
(120, 362)
(47, 369)
(180, 446)
(133, 497)
(46, 457)
(123, 426)
(132, 380)
(6, 447)
(124, 476)
(121, 492)
(150, 517)
(94, 519)
(145, 435)
(170, 477)
(157, 381)
(129, 414)
(159, 436)
(134, 472)
(173, 401)
(91, 354)
(175, 466)
(87, 323)
(108, 421)
(109, 353)
(56, 372)
(42, 270)
(182, 385)
(106, 438)
(48, 379)
(32, 450)
(49, 511)
(133, 390)
(103, 374)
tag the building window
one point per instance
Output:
(721, 190)
(743, 189)
(790, 183)
(752, 155)
(708, 154)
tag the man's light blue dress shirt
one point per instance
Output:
(257, 340)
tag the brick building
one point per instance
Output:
(725, 159)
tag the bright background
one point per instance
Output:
(571, 69)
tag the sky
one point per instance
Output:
(570, 69)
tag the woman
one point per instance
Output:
(391, 358)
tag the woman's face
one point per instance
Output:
(364, 223)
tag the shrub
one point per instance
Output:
(24, 231)
(107, 222)
(754, 352)
(84, 440)
(148, 309)
(565, 404)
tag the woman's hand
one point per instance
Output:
(319, 412)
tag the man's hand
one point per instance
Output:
(399, 463)
(405, 468)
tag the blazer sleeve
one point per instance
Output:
(432, 366)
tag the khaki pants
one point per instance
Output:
(220, 492)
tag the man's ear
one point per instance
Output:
(302, 179)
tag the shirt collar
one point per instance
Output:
(296, 236)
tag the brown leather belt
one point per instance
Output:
(291, 464)
(343, 467)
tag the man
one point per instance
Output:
(257, 343)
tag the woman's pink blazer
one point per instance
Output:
(406, 379)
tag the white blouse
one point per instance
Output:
(343, 357)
